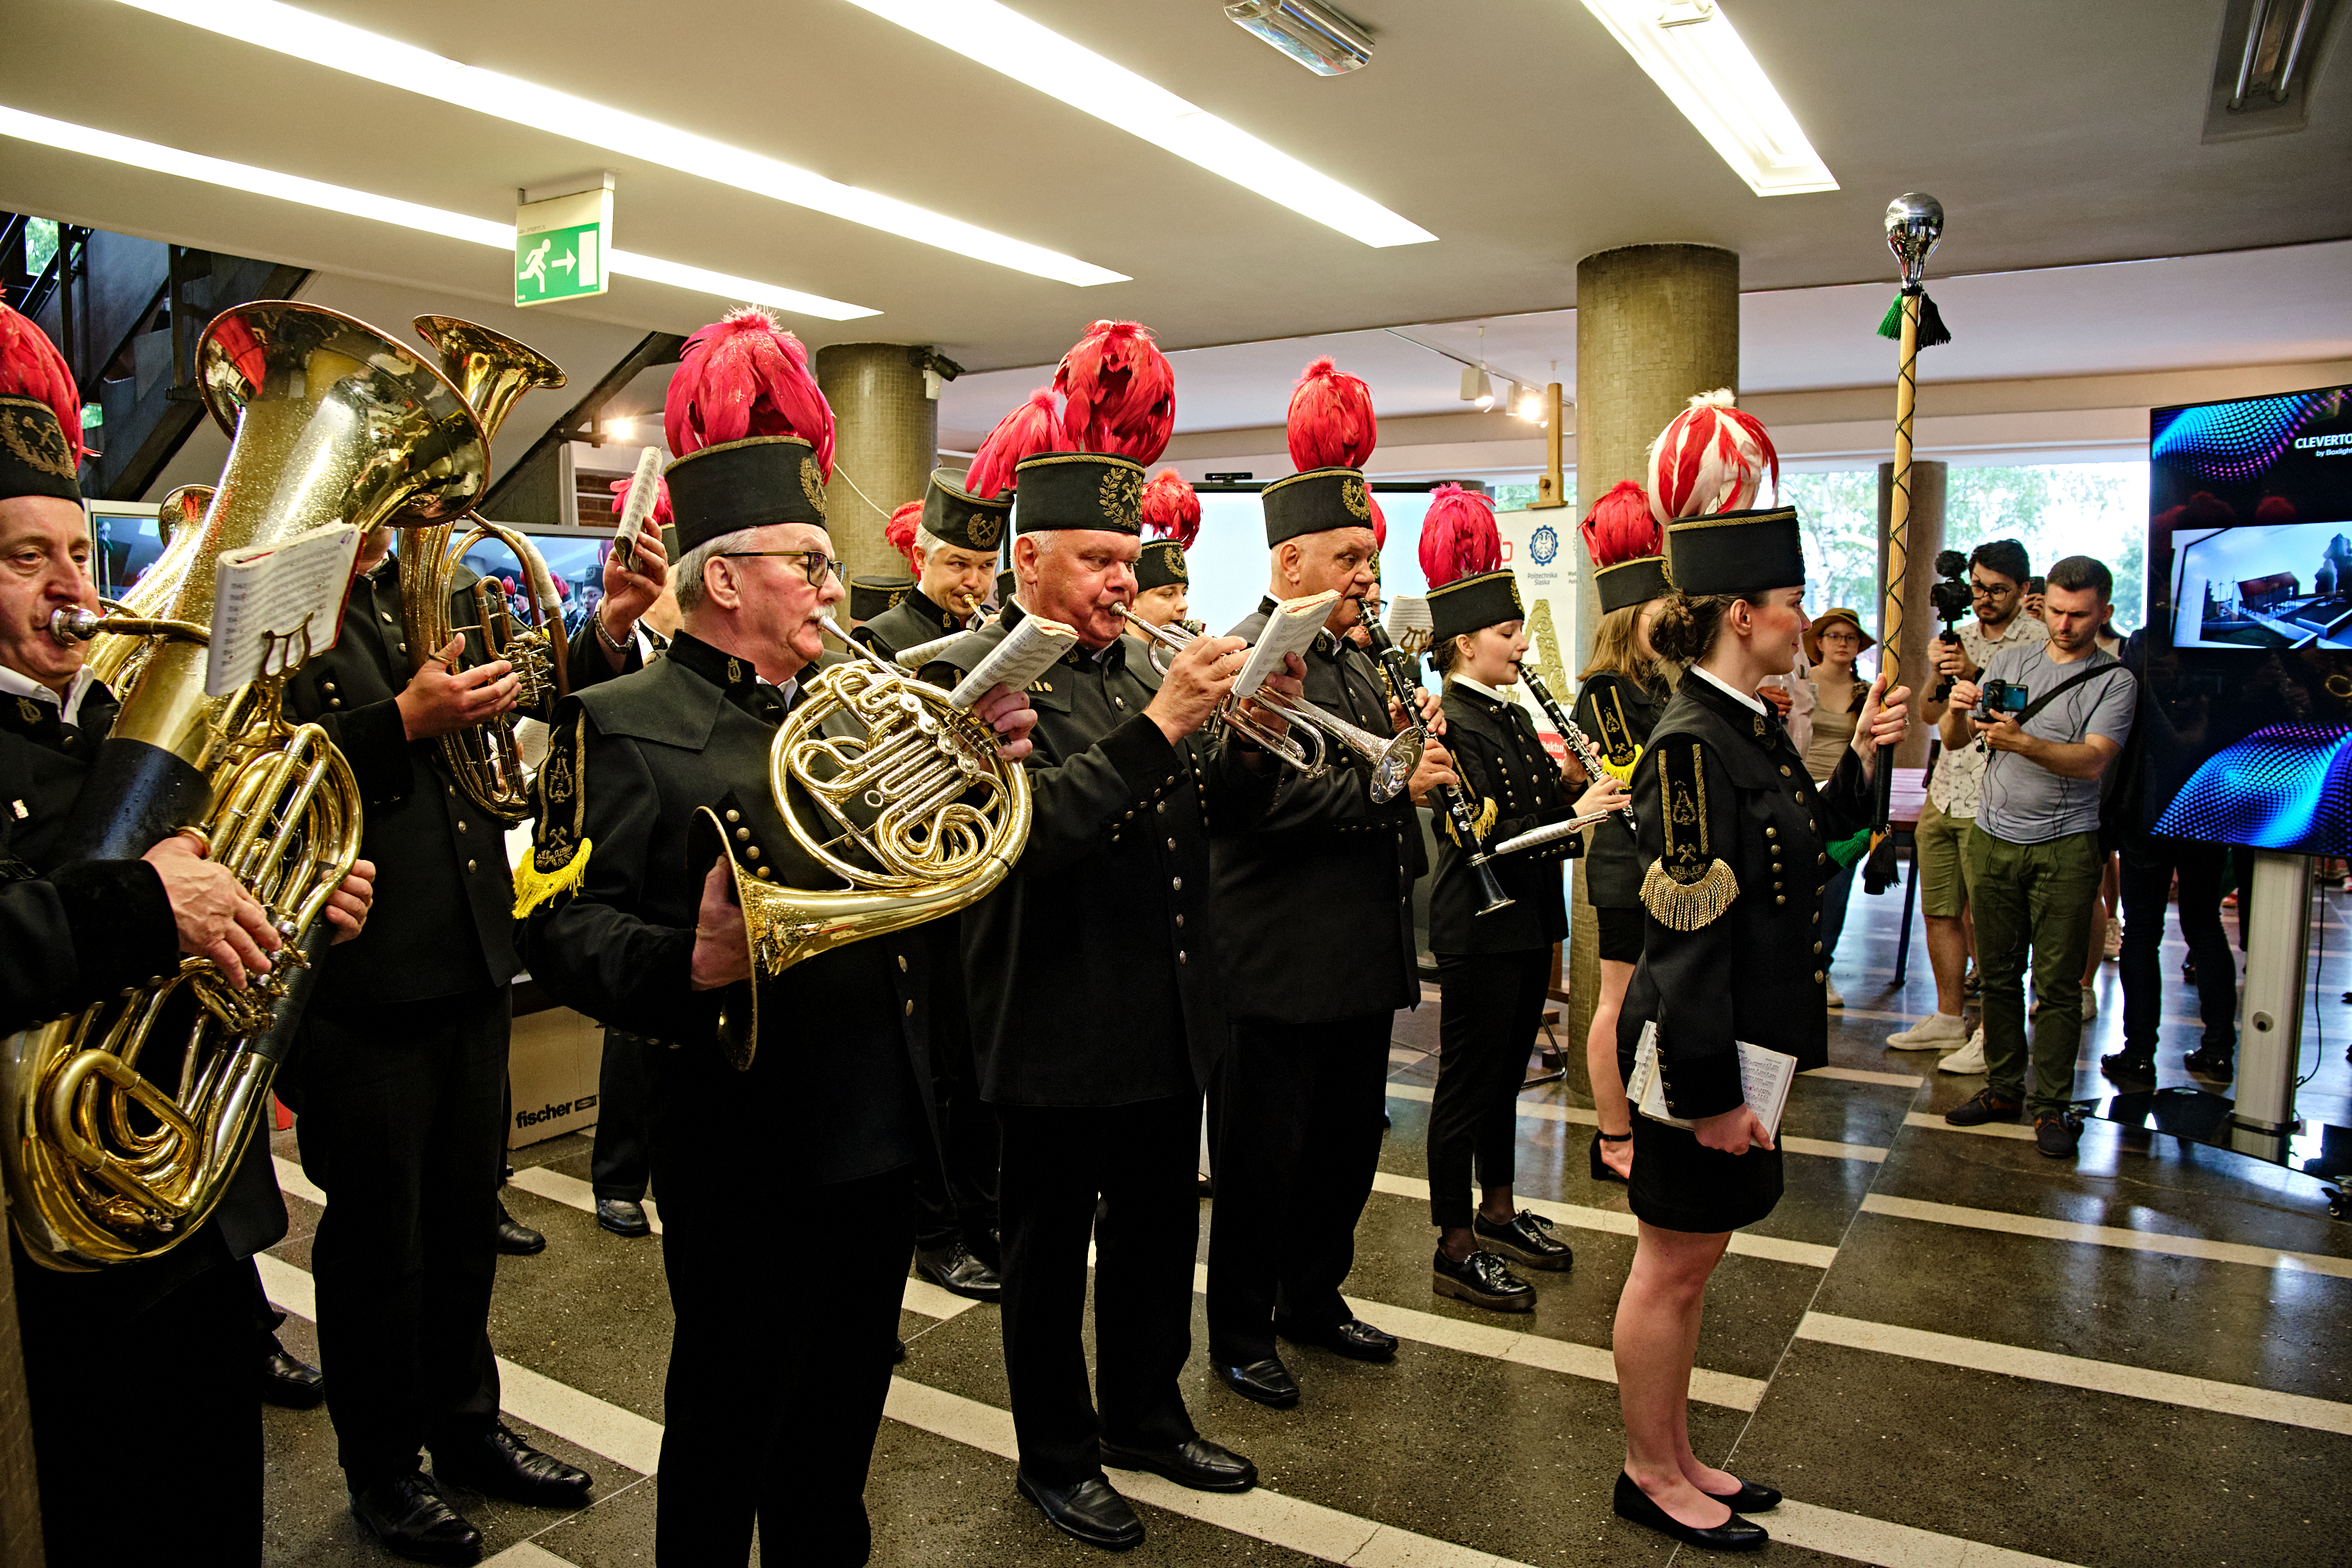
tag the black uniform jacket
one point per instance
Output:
(443, 921)
(1514, 787)
(913, 619)
(1731, 947)
(1092, 971)
(1315, 900)
(609, 904)
(1616, 714)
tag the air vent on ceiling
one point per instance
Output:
(2269, 53)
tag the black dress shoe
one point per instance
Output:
(1482, 1280)
(408, 1516)
(502, 1465)
(622, 1216)
(1984, 1106)
(1268, 1381)
(1528, 1237)
(1090, 1512)
(1753, 1497)
(1734, 1534)
(955, 1269)
(289, 1382)
(1355, 1338)
(1196, 1463)
(517, 1240)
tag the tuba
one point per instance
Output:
(922, 818)
(330, 422)
(493, 371)
(115, 656)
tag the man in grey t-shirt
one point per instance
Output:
(2033, 856)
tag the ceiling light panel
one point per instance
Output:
(96, 144)
(1691, 51)
(1035, 55)
(361, 53)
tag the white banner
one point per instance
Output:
(1543, 553)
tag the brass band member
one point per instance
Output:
(1097, 1009)
(1171, 515)
(954, 546)
(1315, 940)
(1493, 969)
(872, 596)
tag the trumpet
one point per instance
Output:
(1306, 743)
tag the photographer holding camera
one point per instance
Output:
(2051, 716)
(1991, 580)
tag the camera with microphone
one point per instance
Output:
(1952, 599)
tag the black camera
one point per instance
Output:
(1952, 599)
(2001, 697)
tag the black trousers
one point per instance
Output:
(1492, 1006)
(1296, 1146)
(403, 1125)
(957, 1200)
(776, 1378)
(624, 1116)
(1139, 1161)
(2147, 865)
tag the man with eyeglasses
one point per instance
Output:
(1997, 572)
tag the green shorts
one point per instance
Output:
(1941, 845)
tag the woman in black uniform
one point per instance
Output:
(1735, 837)
(1493, 970)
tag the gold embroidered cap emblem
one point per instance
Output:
(984, 528)
(1122, 499)
(1356, 498)
(29, 429)
(812, 484)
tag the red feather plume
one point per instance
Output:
(1619, 527)
(660, 517)
(1712, 458)
(1458, 537)
(900, 533)
(1331, 420)
(1172, 509)
(1036, 426)
(744, 376)
(30, 366)
(1118, 393)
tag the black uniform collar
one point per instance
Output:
(1765, 731)
(728, 672)
(1081, 657)
(1325, 643)
(923, 604)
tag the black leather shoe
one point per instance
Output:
(408, 1516)
(1355, 1338)
(1984, 1106)
(2128, 1066)
(1734, 1534)
(1196, 1463)
(2207, 1062)
(622, 1216)
(1753, 1497)
(515, 1239)
(502, 1465)
(1528, 1237)
(955, 1269)
(289, 1382)
(2056, 1136)
(1482, 1280)
(1268, 1381)
(1089, 1512)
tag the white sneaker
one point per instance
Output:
(1829, 989)
(2114, 946)
(2090, 1004)
(1969, 1058)
(1931, 1033)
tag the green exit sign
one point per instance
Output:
(563, 242)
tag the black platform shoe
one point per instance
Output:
(1482, 1280)
(1526, 1237)
(1734, 1534)
(408, 1516)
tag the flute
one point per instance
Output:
(1585, 753)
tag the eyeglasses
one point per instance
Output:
(815, 565)
(1980, 589)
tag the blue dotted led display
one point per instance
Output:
(2233, 440)
(2288, 787)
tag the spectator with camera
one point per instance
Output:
(1996, 573)
(2049, 717)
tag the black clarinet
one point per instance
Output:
(1579, 741)
(1403, 678)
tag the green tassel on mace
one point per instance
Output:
(1932, 331)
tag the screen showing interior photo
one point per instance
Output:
(2286, 585)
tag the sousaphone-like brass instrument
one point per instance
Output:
(331, 421)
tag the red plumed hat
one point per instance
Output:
(1118, 393)
(1711, 458)
(1331, 421)
(1458, 537)
(659, 518)
(1172, 509)
(900, 532)
(1620, 528)
(741, 376)
(1033, 427)
(37, 459)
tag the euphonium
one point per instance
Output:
(922, 818)
(330, 422)
(493, 371)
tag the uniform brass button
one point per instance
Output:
(1779, 898)
(1120, 700)
(764, 873)
(741, 834)
(1776, 887)
(1179, 955)
(452, 790)
(750, 852)
(910, 1006)
(1177, 883)
(403, 647)
(902, 962)
(1180, 922)
(1784, 770)
(461, 824)
(1171, 843)
(329, 686)
(387, 617)
(1817, 947)
(334, 702)
(1817, 917)
(1821, 859)
(1161, 808)
(469, 868)
(734, 816)
(1773, 832)
(1817, 977)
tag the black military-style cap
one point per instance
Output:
(1160, 564)
(757, 482)
(1078, 489)
(36, 458)
(1736, 552)
(1316, 501)
(1006, 584)
(1634, 582)
(869, 596)
(953, 515)
(1474, 604)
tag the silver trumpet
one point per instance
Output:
(1306, 744)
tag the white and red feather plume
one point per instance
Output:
(1711, 458)
(1172, 509)
(1620, 528)
(1458, 537)
(30, 366)
(1033, 427)
(1118, 393)
(900, 532)
(1331, 420)
(744, 376)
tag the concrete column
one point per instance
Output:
(1924, 536)
(1654, 323)
(886, 441)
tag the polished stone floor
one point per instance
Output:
(1949, 1352)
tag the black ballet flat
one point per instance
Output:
(1601, 1172)
(1734, 1534)
(1753, 1497)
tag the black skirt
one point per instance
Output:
(1679, 1183)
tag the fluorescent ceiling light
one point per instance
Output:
(1004, 40)
(165, 160)
(1692, 52)
(378, 59)
(1315, 36)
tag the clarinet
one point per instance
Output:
(1398, 666)
(1585, 753)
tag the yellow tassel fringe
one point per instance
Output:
(1688, 906)
(534, 887)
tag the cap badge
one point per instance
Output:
(812, 484)
(1353, 496)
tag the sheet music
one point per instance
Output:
(1409, 618)
(1288, 630)
(644, 494)
(265, 594)
(1028, 652)
(1764, 1075)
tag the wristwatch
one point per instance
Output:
(618, 644)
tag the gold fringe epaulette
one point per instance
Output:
(1622, 772)
(1688, 906)
(534, 887)
(1483, 825)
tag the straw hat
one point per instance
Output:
(1851, 618)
